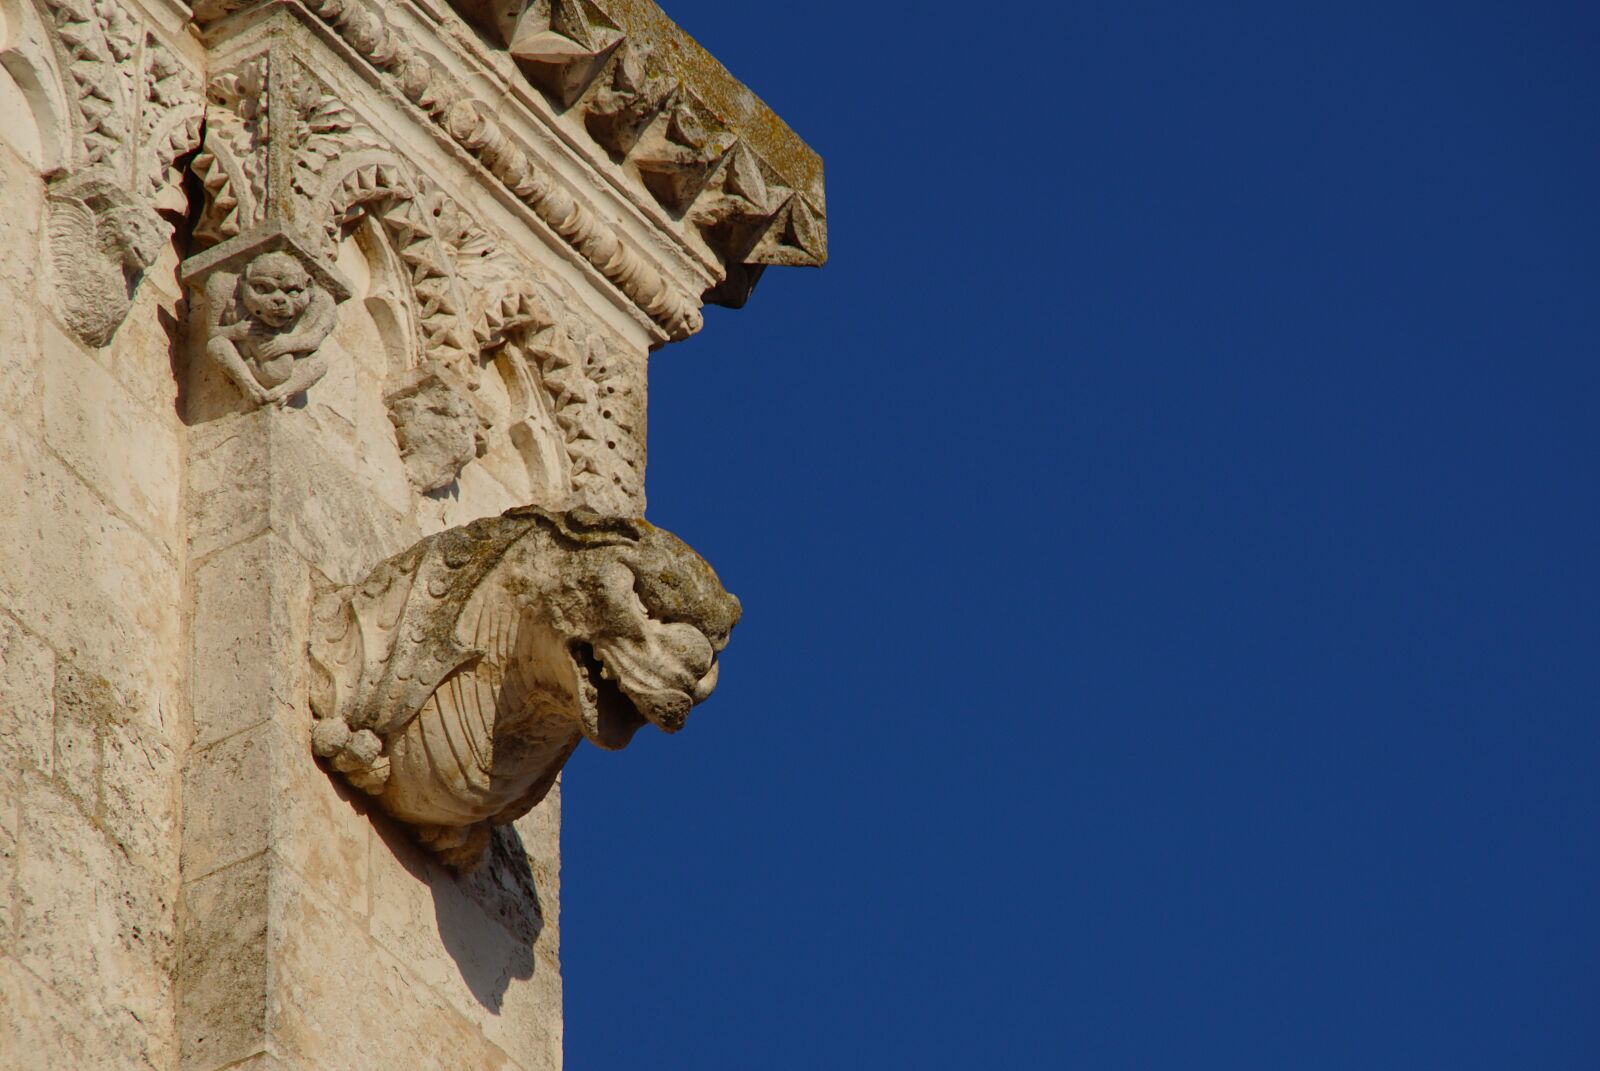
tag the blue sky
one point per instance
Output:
(1168, 537)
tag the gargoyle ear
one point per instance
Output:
(620, 611)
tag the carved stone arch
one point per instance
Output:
(527, 436)
(172, 137)
(362, 183)
(378, 203)
(472, 389)
(358, 198)
(35, 105)
(97, 44)
(380, 284)
(231, 204)
(376, 184)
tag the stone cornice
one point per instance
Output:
(675, 122)
(417, 64)
(696, 156)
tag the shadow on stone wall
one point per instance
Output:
(503, 888)
(489, 920)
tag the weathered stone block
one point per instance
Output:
(84, 704)
(50, 1032)
(224, 978)
(96, 927)
(141, 356)
(250, 612)
(285, 469)
(138, 794)
(103, 592)
(227, 813)
(480, 942)
(228, 496)
(127, 453)
(40, 1030)
(267, 1061)
(8, 870)
(379, 454)
(22, 194)
(323, 506)
(27, 678)
(118, 767)
(477, 494)
(321, 956)
(269, 967)
(261, 790)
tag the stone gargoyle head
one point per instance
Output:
(453, 684)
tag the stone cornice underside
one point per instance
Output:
(725, 186)
(722, 166)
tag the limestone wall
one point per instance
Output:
(93, 710)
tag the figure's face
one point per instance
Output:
(135, 237)
(276, 290)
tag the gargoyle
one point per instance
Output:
(454, 683)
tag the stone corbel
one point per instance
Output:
(136, 113)
(267, 305)
(454, 683)
(102, 238)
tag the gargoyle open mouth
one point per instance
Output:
(609, 717)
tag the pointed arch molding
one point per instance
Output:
(288, 166)
(476, 136)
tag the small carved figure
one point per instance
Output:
(266, 326)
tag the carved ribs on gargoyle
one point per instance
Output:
(454, 683)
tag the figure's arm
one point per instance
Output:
(226, 354)
(307, 371)
(237, 331)
(220, 337)
(219, 293)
